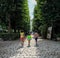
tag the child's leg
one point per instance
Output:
(21, 40)
(28, 42)
(36, 40)
(23, 43)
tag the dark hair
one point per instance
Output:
(28, 33)
(36, 31)
(22, 31)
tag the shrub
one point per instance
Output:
(11, 36)
(58, 35)
(43, 29)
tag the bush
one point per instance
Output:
(58, 35)
(43, 29)
(11, 36)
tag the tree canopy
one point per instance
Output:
(14, 14)
(46, 14)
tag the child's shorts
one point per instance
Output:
(28, 38)
(22, 39)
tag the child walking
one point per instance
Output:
(22, 38)
(29, 39)
(36, 35)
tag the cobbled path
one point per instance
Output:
(46, 49)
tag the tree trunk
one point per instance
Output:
(9, 22)
(9, 25)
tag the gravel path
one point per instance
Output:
(46, 49)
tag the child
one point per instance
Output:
(29, 39)
(36, 35)
(22, 38)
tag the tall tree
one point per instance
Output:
(22, 15)
(15, 13)
(48, 14)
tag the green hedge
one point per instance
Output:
(43, 29)
(58, 35)
(11, 36)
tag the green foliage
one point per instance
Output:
(9, 36)
(39, 20)
(58, 35)
(43, 29)
(47, 12)
(15, 14)
(23, 19)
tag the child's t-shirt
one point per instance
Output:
(29, 37)
(22, 34)
(36, 35)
